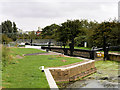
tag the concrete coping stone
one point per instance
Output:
(50, 79)
(64, 68)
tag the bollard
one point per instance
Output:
(41, 68)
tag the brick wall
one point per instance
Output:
(75, 73)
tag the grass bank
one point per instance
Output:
(25, 73)
(107, 68)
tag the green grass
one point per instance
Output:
(109, 65)
(21, 51)
(106, 69)
(115, 51)
(85, 48)
(25, 73)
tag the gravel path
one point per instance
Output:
(51, 53)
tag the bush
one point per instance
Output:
(6, 39)
(6, 58)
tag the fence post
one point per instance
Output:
(92, 54)
(107, 50)
(65, 51)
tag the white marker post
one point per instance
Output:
(119, 11)
(85, 44)
(41, 68)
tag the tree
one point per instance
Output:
(79, 31)
(32, 36)
(81, 37)
(9, 29)
(14, 28)
(49, 32)
(68, 31)
(107, 29)
(90, 31)
(114, 37)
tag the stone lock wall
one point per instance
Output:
(74, 73)
(82, 54)
(57, 50)
(77, 52)
(115, 57)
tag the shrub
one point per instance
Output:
(6, 39)
(6, 58)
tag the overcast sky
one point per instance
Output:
(31, 14)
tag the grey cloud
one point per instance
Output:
(29, 15)
(29, 10)
(46, 10)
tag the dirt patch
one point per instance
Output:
(64, 60)
(61, 55)
(17, 61)
(98, 59)
(1, 88)
(11, 57)
(18, 56)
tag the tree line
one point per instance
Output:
(80, 31)
(71, 31)
(10, 33)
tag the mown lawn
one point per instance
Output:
(25, 73)
(115, 51)
(85, 48)
(21, 51)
